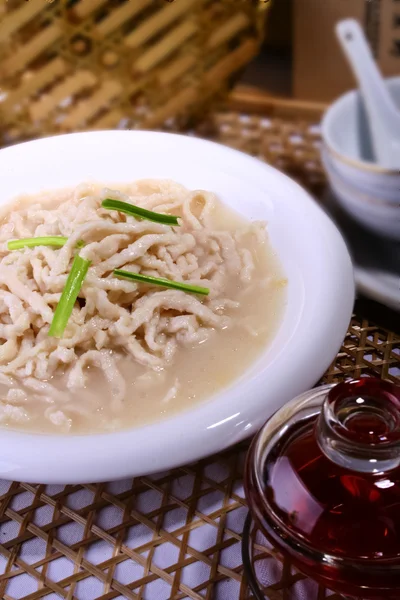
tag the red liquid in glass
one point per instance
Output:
(337, 511)
(340, 512)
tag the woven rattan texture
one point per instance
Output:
(290, 142)
(67, 65)
(174, 535)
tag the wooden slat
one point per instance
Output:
(85, 8)
(228, 30)
(109, 120)
(165, 47)
(37, 80)
(252, 100)
(69, 87)
(118, 16)
(88, 108)
(176, 69)
(152, 26)
(27, 53)
(18, 18)
(212, 80)
(229, 63)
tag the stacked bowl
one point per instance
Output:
(370, 193)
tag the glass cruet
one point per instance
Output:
(322, 481)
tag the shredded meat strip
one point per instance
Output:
(112, 317)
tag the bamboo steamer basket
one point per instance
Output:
(71, 65)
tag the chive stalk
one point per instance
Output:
(69, 295)
(168, 283)
(36, 241)
(52, 240)
(136, 211)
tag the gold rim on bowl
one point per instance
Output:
(359, 195)
(363, 166)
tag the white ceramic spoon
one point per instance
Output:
(383, 115)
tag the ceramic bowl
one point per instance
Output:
(368, 207)
(372, 193)
(318, 308)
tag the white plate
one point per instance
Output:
(319, 303)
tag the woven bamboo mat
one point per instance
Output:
(177, 535)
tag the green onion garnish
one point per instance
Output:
(52, 240)
(176, 285)
(69, 295)
(136, 211)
